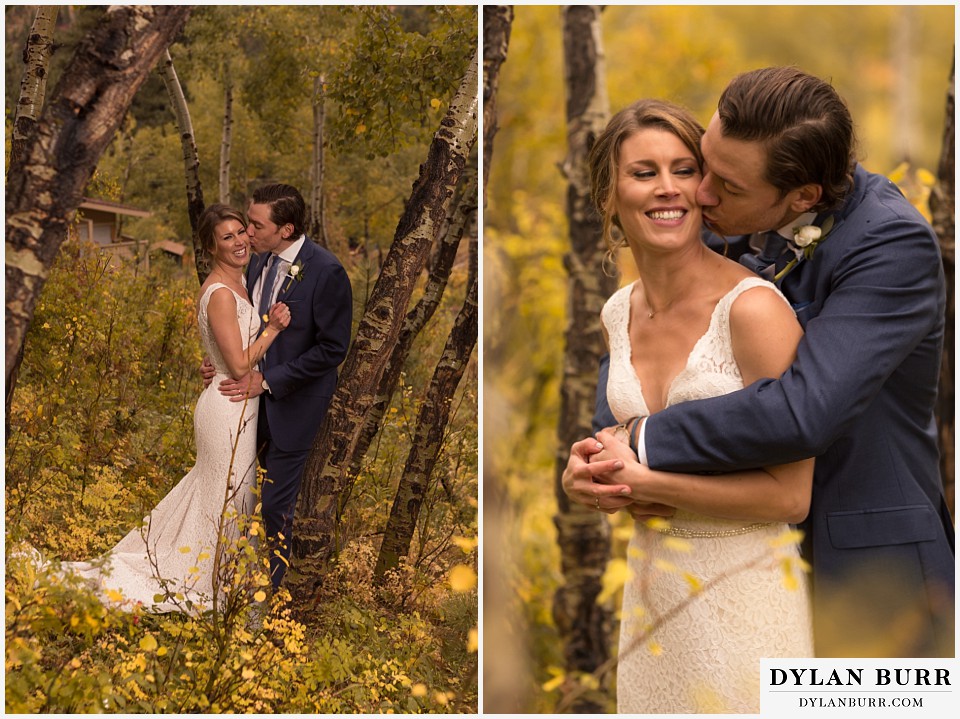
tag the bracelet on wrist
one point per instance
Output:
(635, 435)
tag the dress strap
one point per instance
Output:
(208, 293)
(748, 283)
(616, 317)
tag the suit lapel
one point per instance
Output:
(290, 285)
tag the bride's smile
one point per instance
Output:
(232, 244)
(670, 216)
(657, 181)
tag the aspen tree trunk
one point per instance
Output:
(191, 159)
(318, 209)
(505, 674)
(226, 139)
(942, 211)
(431, 425)
(417, 318)
(326, 478)
(497, 21)
(583, 534)
(33, 85)
(45, 183)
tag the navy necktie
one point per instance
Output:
(267, 285)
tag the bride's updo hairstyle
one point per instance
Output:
(206, 229)
(605, 155)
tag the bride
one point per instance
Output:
(172, 562)
(707, 597)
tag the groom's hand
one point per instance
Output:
(240, 389)
(207, 371)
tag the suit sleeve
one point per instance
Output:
(885, 297)
(333, 313)
(602, 414)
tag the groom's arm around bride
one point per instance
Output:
(298, 376)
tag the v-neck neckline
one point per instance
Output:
(690, 354)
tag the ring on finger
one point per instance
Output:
(596, 498)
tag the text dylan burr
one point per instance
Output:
(854, 677)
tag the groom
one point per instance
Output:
(860, 395)
(299, 371)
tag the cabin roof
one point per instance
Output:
(93, 203)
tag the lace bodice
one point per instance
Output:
(710, 371)
(711, 368)
(709, 652)
(246, 318)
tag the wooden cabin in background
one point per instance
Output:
(101, 222)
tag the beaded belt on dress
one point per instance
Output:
(708, 534)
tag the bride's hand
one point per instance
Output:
(580, 485)
(615, 447)
(279, 317)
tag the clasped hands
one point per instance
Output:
(603, 474)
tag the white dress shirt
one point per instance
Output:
(285, 259)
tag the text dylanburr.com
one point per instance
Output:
(858, 687)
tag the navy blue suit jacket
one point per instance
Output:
(859, 397)
(301, 364)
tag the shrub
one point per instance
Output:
(101, 429)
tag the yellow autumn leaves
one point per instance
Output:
(916, 185)
(361, 127)
(618, 571)
(463, 578)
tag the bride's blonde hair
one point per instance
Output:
(605, 154)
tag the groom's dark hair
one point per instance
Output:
(802, 122)
(286, 205)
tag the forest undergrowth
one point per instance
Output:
(101, 428)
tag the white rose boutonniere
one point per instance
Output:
(807, 238)
(806, 235)
(294, 273)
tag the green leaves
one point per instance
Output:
(109, 440)
(396, 70)
(101, 419)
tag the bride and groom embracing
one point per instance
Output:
(275, 326)
(816, 359)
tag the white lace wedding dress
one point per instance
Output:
(175, 548)
(705, 658)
